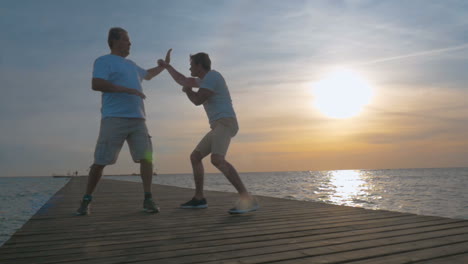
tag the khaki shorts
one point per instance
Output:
(218, 139)
(114, 132)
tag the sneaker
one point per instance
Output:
(149, 206)
(244, 206)
(195, 203)
(84, 207)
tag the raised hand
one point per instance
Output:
(168, 56)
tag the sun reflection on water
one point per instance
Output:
(347, 187)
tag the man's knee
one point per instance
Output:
(196, 157)
(96, 170)
(217, 160)
(98, 167)
(146, 162)
(146, 165)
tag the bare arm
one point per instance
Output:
(177, 76)
(153, 72)
(104, 86)
(180, 78)
(197, 98)
(158, 69)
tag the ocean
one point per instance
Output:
(438, 192)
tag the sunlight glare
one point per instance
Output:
(341, 94)
(348, 184)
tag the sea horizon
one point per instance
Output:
(240, 172)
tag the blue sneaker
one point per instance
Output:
(195, 204)
(149, 206)
(84, 207)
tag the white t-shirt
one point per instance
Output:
(218, 105)
(124, 72)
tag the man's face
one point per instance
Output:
(194, 69)
(122, 46)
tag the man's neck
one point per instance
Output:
(116, 53)
(202, 74)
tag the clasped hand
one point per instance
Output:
(164, 63)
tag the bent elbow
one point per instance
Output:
(95, 88)
(198, 102)
(183, 82)
(96, 85)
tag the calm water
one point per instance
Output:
(20, 198)
(439, 192)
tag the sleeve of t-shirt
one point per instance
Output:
(199, 81)
(101, 69)
(141, 72)
(209, 82)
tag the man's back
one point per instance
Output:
(219, 105)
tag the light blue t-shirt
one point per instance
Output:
(124, 72)
(218, 105)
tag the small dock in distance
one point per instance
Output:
(282, 231)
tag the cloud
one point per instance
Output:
(418, 116)
(269, 51)
(425, 53)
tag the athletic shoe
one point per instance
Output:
(244, 206)
(84, 207)
(149, 206)
(196, 204)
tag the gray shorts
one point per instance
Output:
(218, 139)
(114, 132)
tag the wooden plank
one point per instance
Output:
(273, 235)
(282, 230)
(372, 251)
(445, 252)
(459, 258)
(223, 245)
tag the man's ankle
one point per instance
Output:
(148, 195)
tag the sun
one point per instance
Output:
(341, 94)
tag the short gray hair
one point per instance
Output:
(114, 34)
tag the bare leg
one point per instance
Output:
(95, 174)
(231, 174)
(146, 171)
(198, 174)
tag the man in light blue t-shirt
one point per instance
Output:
(123, 116)
(215, 98)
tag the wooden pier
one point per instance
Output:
(282, 231)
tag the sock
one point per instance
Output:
(87, 197)
(148, 195)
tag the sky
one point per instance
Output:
(413, 55)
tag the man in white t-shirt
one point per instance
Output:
(213, 94)
(123, 116)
